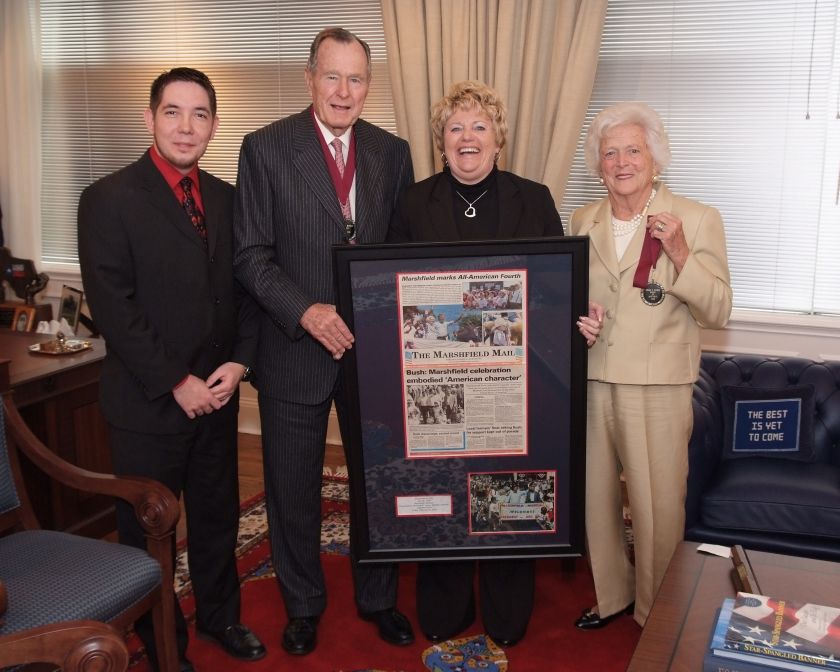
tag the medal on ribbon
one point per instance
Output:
(349, 231)
(652, 292)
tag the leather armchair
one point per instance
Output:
(765, 503)
(70, 598)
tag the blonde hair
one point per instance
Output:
(465, 96)
(637, 113)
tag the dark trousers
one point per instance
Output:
(203, 466)
(293, 437)
(506, 593)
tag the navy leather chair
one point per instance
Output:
(69, 599)
(789, 506)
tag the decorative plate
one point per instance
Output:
(69, 346)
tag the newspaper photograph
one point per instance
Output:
(464, 369)
(511, 502)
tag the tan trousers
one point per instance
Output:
(642, 430)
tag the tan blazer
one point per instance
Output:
(655, 345)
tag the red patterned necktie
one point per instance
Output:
(195, 215)
(345, 207)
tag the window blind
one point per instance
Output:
(99, 58)
(748, 92)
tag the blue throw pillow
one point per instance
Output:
(764, 422)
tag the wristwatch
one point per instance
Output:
(247, 374)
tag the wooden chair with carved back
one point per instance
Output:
(70, 599)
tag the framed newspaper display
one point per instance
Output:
(466, 393)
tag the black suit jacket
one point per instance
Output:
(165, 305)
(286, 220)
(424, 212)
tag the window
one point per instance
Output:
(748, 92)
(100, 56)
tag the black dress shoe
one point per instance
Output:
(505, 641)
(467, 621)
(435, 637)
(590, 620)
(237, 641)
(393, 627)
(300, 635)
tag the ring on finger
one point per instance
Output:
(660, 226)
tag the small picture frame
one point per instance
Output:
(24, 318)
(70, 305)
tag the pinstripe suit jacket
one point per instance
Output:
(286, 218)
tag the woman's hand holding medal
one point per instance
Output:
(669, 230)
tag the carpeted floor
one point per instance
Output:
(347, 643)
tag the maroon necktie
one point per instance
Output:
(339, 161)
(195, 215)
(349, 227)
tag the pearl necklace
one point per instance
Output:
(470, 211)
(624, 227)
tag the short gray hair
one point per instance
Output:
(339, 35)
(638, 113)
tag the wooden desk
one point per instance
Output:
(58, 398)
(677, 631)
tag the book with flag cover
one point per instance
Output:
(716, 659)
(777, 634)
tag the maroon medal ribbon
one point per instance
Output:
(341, 183)
(647, 260)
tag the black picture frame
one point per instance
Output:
(382, 473)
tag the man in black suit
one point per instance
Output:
(296, 196)
(156, 254)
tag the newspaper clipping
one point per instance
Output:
(464, 344)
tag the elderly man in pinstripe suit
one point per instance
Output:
(313, 179)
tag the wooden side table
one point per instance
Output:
(679, 626)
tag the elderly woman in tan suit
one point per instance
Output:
(657, 275)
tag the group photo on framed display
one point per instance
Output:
(467, 386)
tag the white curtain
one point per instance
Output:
(20, 127)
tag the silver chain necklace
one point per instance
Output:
(470, 211)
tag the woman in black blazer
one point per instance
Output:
(471, 199)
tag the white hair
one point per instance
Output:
(637, 113)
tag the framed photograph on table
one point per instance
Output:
(467, 397)
(23, 318)
(70, 306)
